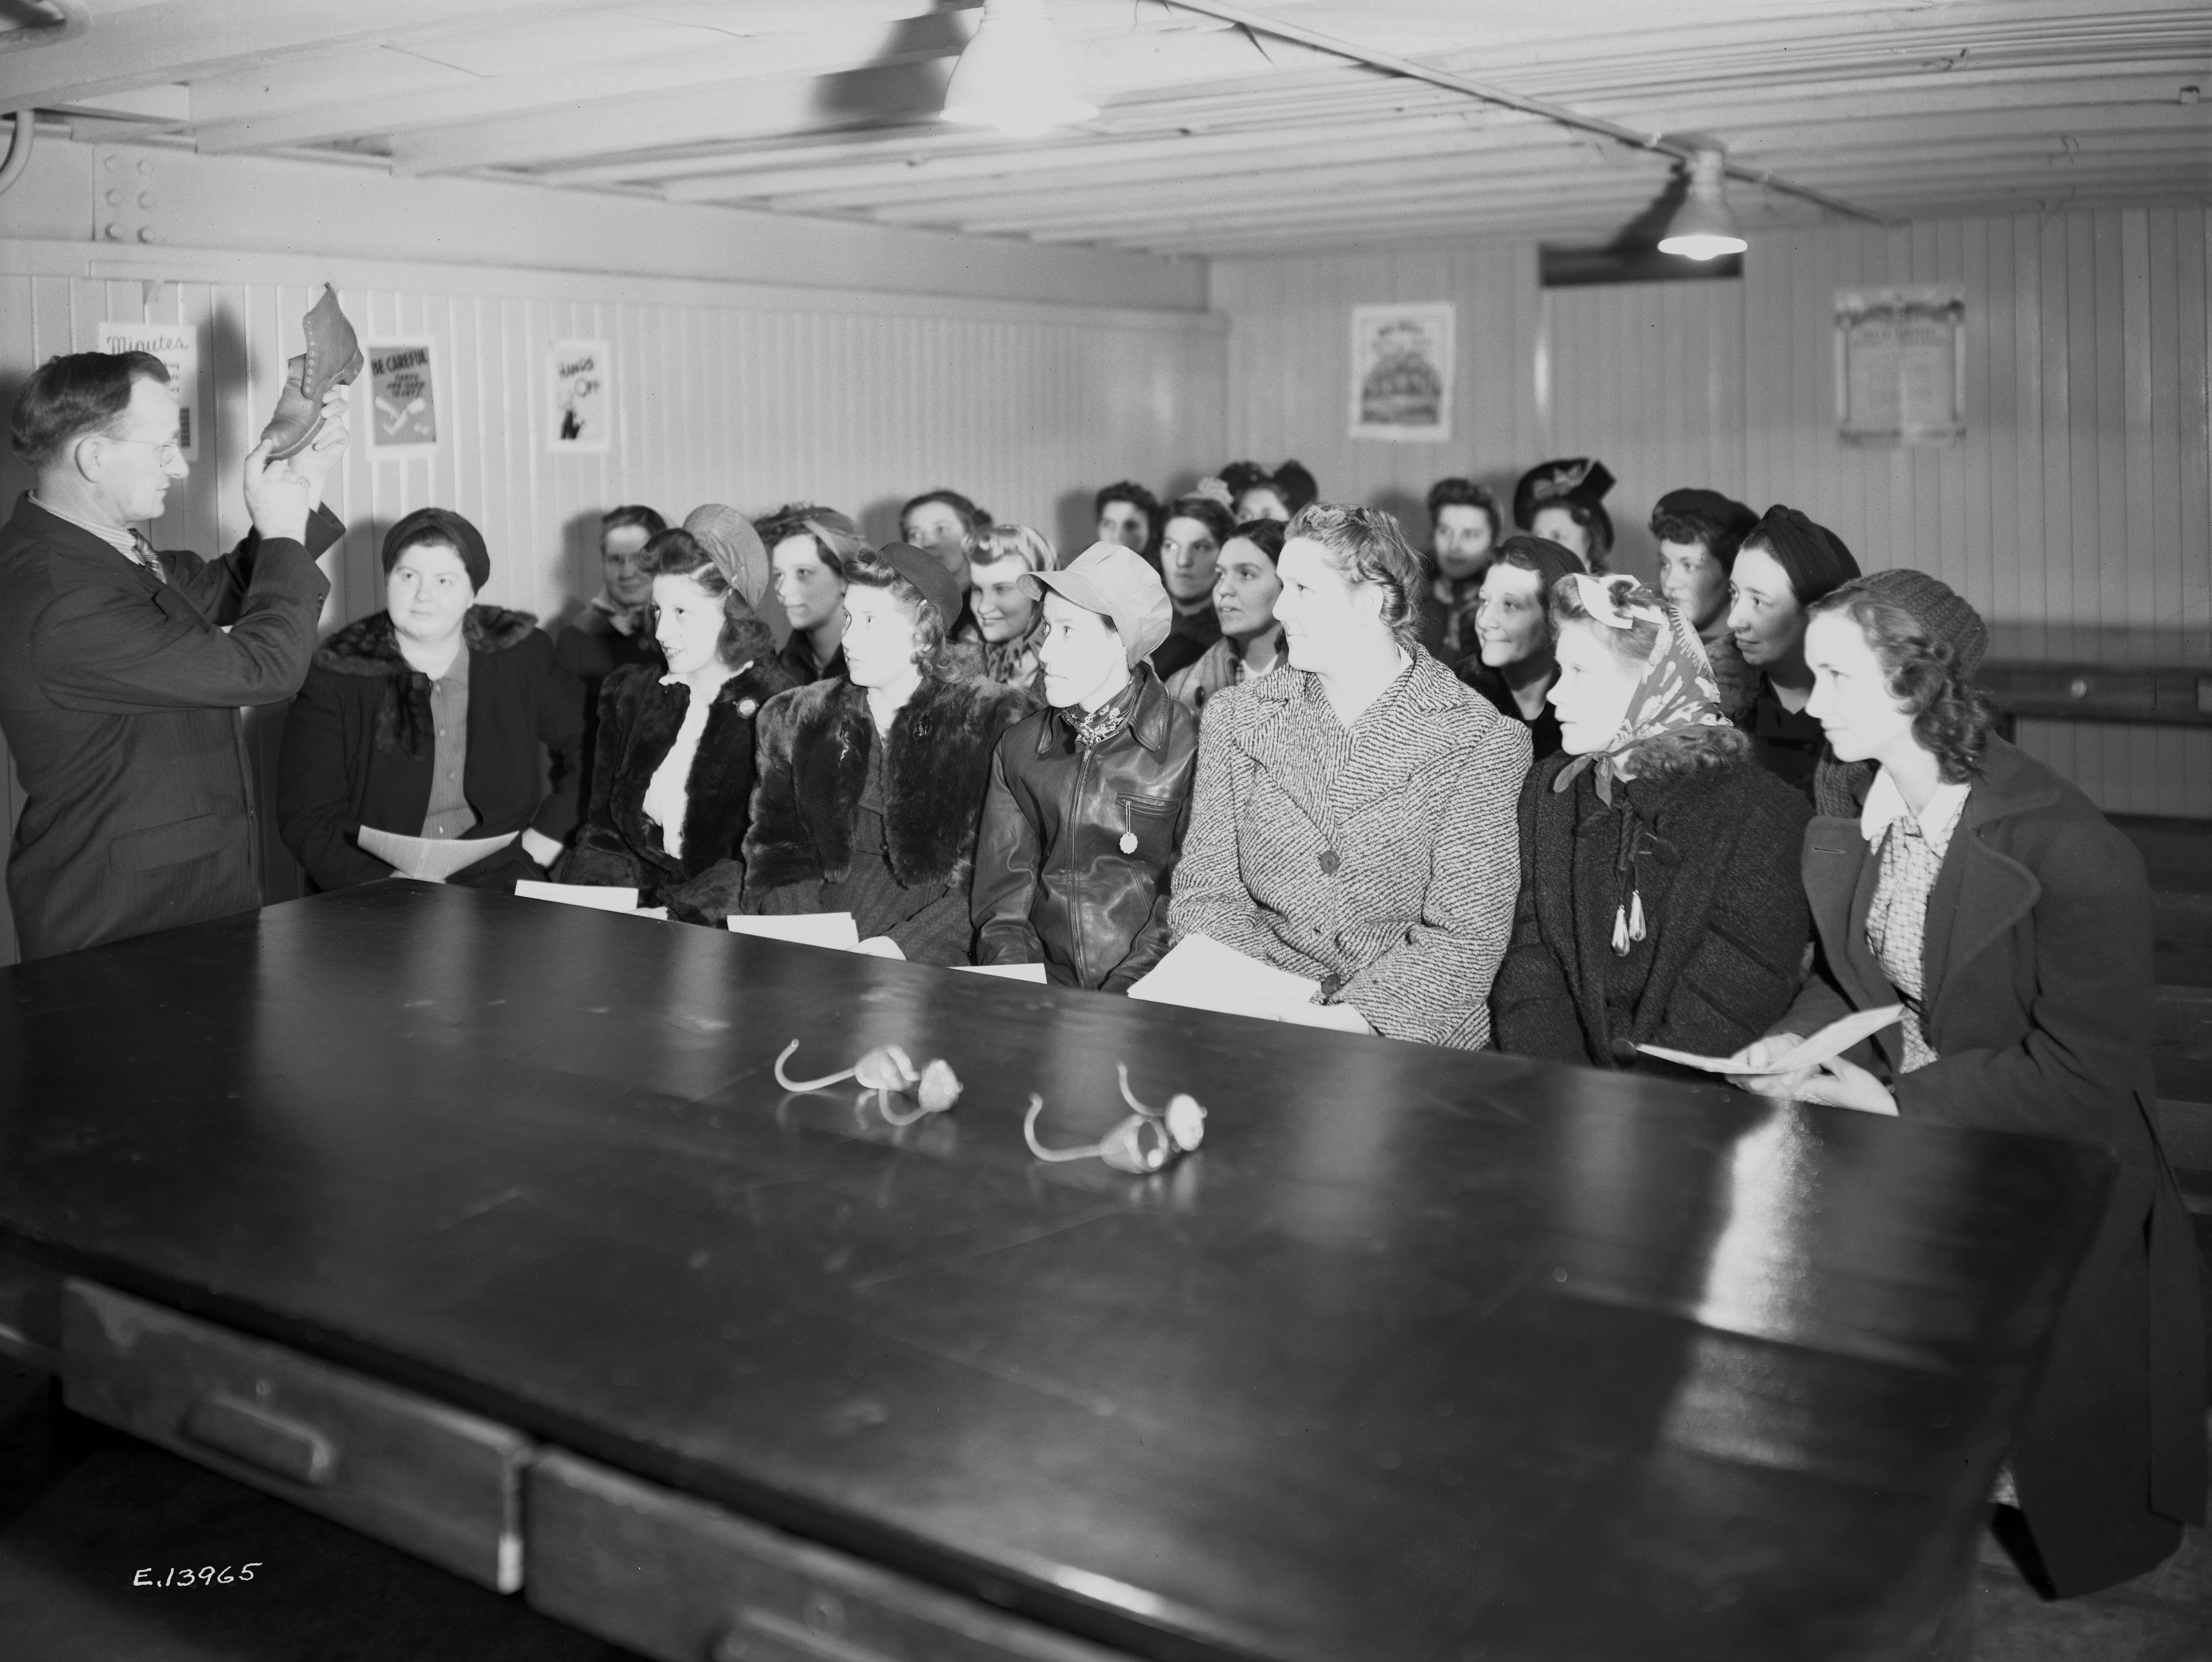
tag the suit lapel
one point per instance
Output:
(1286, 748)
(1984, 894)
(1840, 875)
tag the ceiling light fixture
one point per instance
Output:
(1018, 74)
(1703, 227)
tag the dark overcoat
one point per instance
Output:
(358, 749)
(119, 696)
(639, 719)
(1728, 938)
(2038, 956)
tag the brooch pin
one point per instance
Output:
(1147, 1140)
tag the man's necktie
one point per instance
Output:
(147, 557)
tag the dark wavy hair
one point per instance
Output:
(867, 570)
(1129, 491)
(1292, 482)
(632, 513)
(1265, 535)
(1952, 719)
(77, 393)
(1204, 509)
(977, 519)
(676, 553)
(1596, 522)
(1366, 545)
(1459, 492)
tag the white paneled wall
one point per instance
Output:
(2081, 494)
(729, 394)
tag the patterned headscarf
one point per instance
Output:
(1676, 689)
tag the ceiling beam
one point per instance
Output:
(177, 40)
(578, 90)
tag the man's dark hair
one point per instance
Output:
(74, 394)
(632, 513)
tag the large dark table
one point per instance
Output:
(1425, 1355)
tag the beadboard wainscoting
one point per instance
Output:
(2081, 496)
(742, 394)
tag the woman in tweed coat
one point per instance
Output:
(1354, 819)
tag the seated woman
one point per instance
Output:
(1353, 817)
(1192, 536)
(1255, 493)
(1659, 902)
(1564, 502)
(808, 548)
(1785, 564)
(1699, 532)
(871, 789)
(1465, 526)
(1245, 588)
(1007, 622)
(1514, 665)
(674, 775)
(425, 720)
(1987, 895)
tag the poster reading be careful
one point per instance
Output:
(582, 413)
(403, 384)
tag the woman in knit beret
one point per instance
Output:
(1785, 565)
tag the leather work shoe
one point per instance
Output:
(332, 359)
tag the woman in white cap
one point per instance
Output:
(672, 780)
(871, 785)
(1088, 797)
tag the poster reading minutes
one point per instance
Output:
(1402, 372)
(177, 346)
(402, 390)
(1901, 364)
(582, 414)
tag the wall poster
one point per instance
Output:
(1901, 364)
(582, 413)
(177, 346)
(402, 386)
(1402, 372)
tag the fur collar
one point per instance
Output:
(936, 772)
(371, 646)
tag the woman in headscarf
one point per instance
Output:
(1006, 622)
(673, 779)
(1785, 564)
(425, 720)
(1660, 902)
(1245, 589)
(1561, 502)
(1987, 895)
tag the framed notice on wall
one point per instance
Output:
(403, 390)
(1402, 372)
(582, 412)
(177, 346)
(1901, 364)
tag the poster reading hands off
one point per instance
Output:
(582, 413)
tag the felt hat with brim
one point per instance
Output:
(736, 548)
(926, 572)
(1118, 583)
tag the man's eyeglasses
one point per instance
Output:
(166, 451)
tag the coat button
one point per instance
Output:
(1329, 862)
(1129, 842)
(1625, 1052)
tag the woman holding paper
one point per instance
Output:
(1989, 897)
(870, 788)
(424, 721)
(1659, 901)
(1353, 817)
(672, 784)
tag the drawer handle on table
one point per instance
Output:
(253, 1435)
(761, 1635)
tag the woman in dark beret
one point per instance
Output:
(1785, 564)
(1560, 501)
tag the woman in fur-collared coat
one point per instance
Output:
(871, 788)
(426, 719)
(672, 781)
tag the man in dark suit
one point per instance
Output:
(122, 670)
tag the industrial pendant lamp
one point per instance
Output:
(1704, 228)
(1018, 74)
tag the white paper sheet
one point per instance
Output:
(1200, 974)
(600, 897)
(432, 859)
(1830, 1042)
(830, 928)
(1007, 972)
